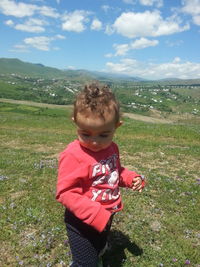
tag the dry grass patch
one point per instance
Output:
(7, 254)
(159, 162)
(147, 118)
(17, 195)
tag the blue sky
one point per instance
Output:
(152, 39)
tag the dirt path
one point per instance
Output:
(31, 103)
(129, 115)
(146, 118)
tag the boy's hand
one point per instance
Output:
(138, 184)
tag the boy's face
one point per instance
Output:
(94, 132)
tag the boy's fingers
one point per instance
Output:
(138, 188)
(137, 182)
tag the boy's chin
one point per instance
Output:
(94, 149)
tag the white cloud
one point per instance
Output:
(192, 7)
(39, 42)
(121, 49)
(11, 8)
(96, 25)
(109, 29)
(27, 28)
(39, 1)
(105, 8)
(9, 22)
(109, 55)
(48, 11)
(132, 2)
(75, 21)
(196, 20)
(20, 48)
(42, 42)
(176, 60)
(158, 3)
(59, 36)
(71, 67)
(31, 25)
(133, 25)
(176, 68)
(126, 66)
(20, 9)
(141, 43)
(174, 43)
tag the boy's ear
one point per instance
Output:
(119, 124)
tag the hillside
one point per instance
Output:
(18, 67)
(10, 66)
(35, 82)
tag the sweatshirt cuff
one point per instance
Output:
(102, 218)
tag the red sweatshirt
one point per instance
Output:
(88, 183)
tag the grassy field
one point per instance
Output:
(159, 227)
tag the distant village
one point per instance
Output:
(134, 96)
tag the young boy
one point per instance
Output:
(90, 174)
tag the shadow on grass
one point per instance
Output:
(119, 243)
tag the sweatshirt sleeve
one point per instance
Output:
(71, 176)
(126, 177)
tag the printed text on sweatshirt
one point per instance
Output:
(88, 183)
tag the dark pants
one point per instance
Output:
(85, 242)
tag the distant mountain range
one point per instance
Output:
(16, 66)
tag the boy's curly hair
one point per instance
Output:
(96, 99)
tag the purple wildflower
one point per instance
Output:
(187, 262)
(66, 242)
(68, 253)
(198, 181)
(174, 259)
(198, 235)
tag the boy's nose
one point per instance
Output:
(94, 142)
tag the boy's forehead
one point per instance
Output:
(95, 122)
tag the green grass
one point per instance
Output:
(155, 227)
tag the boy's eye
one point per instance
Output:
(104, 135)
(85, 135)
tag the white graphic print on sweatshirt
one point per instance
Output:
(106, 179)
